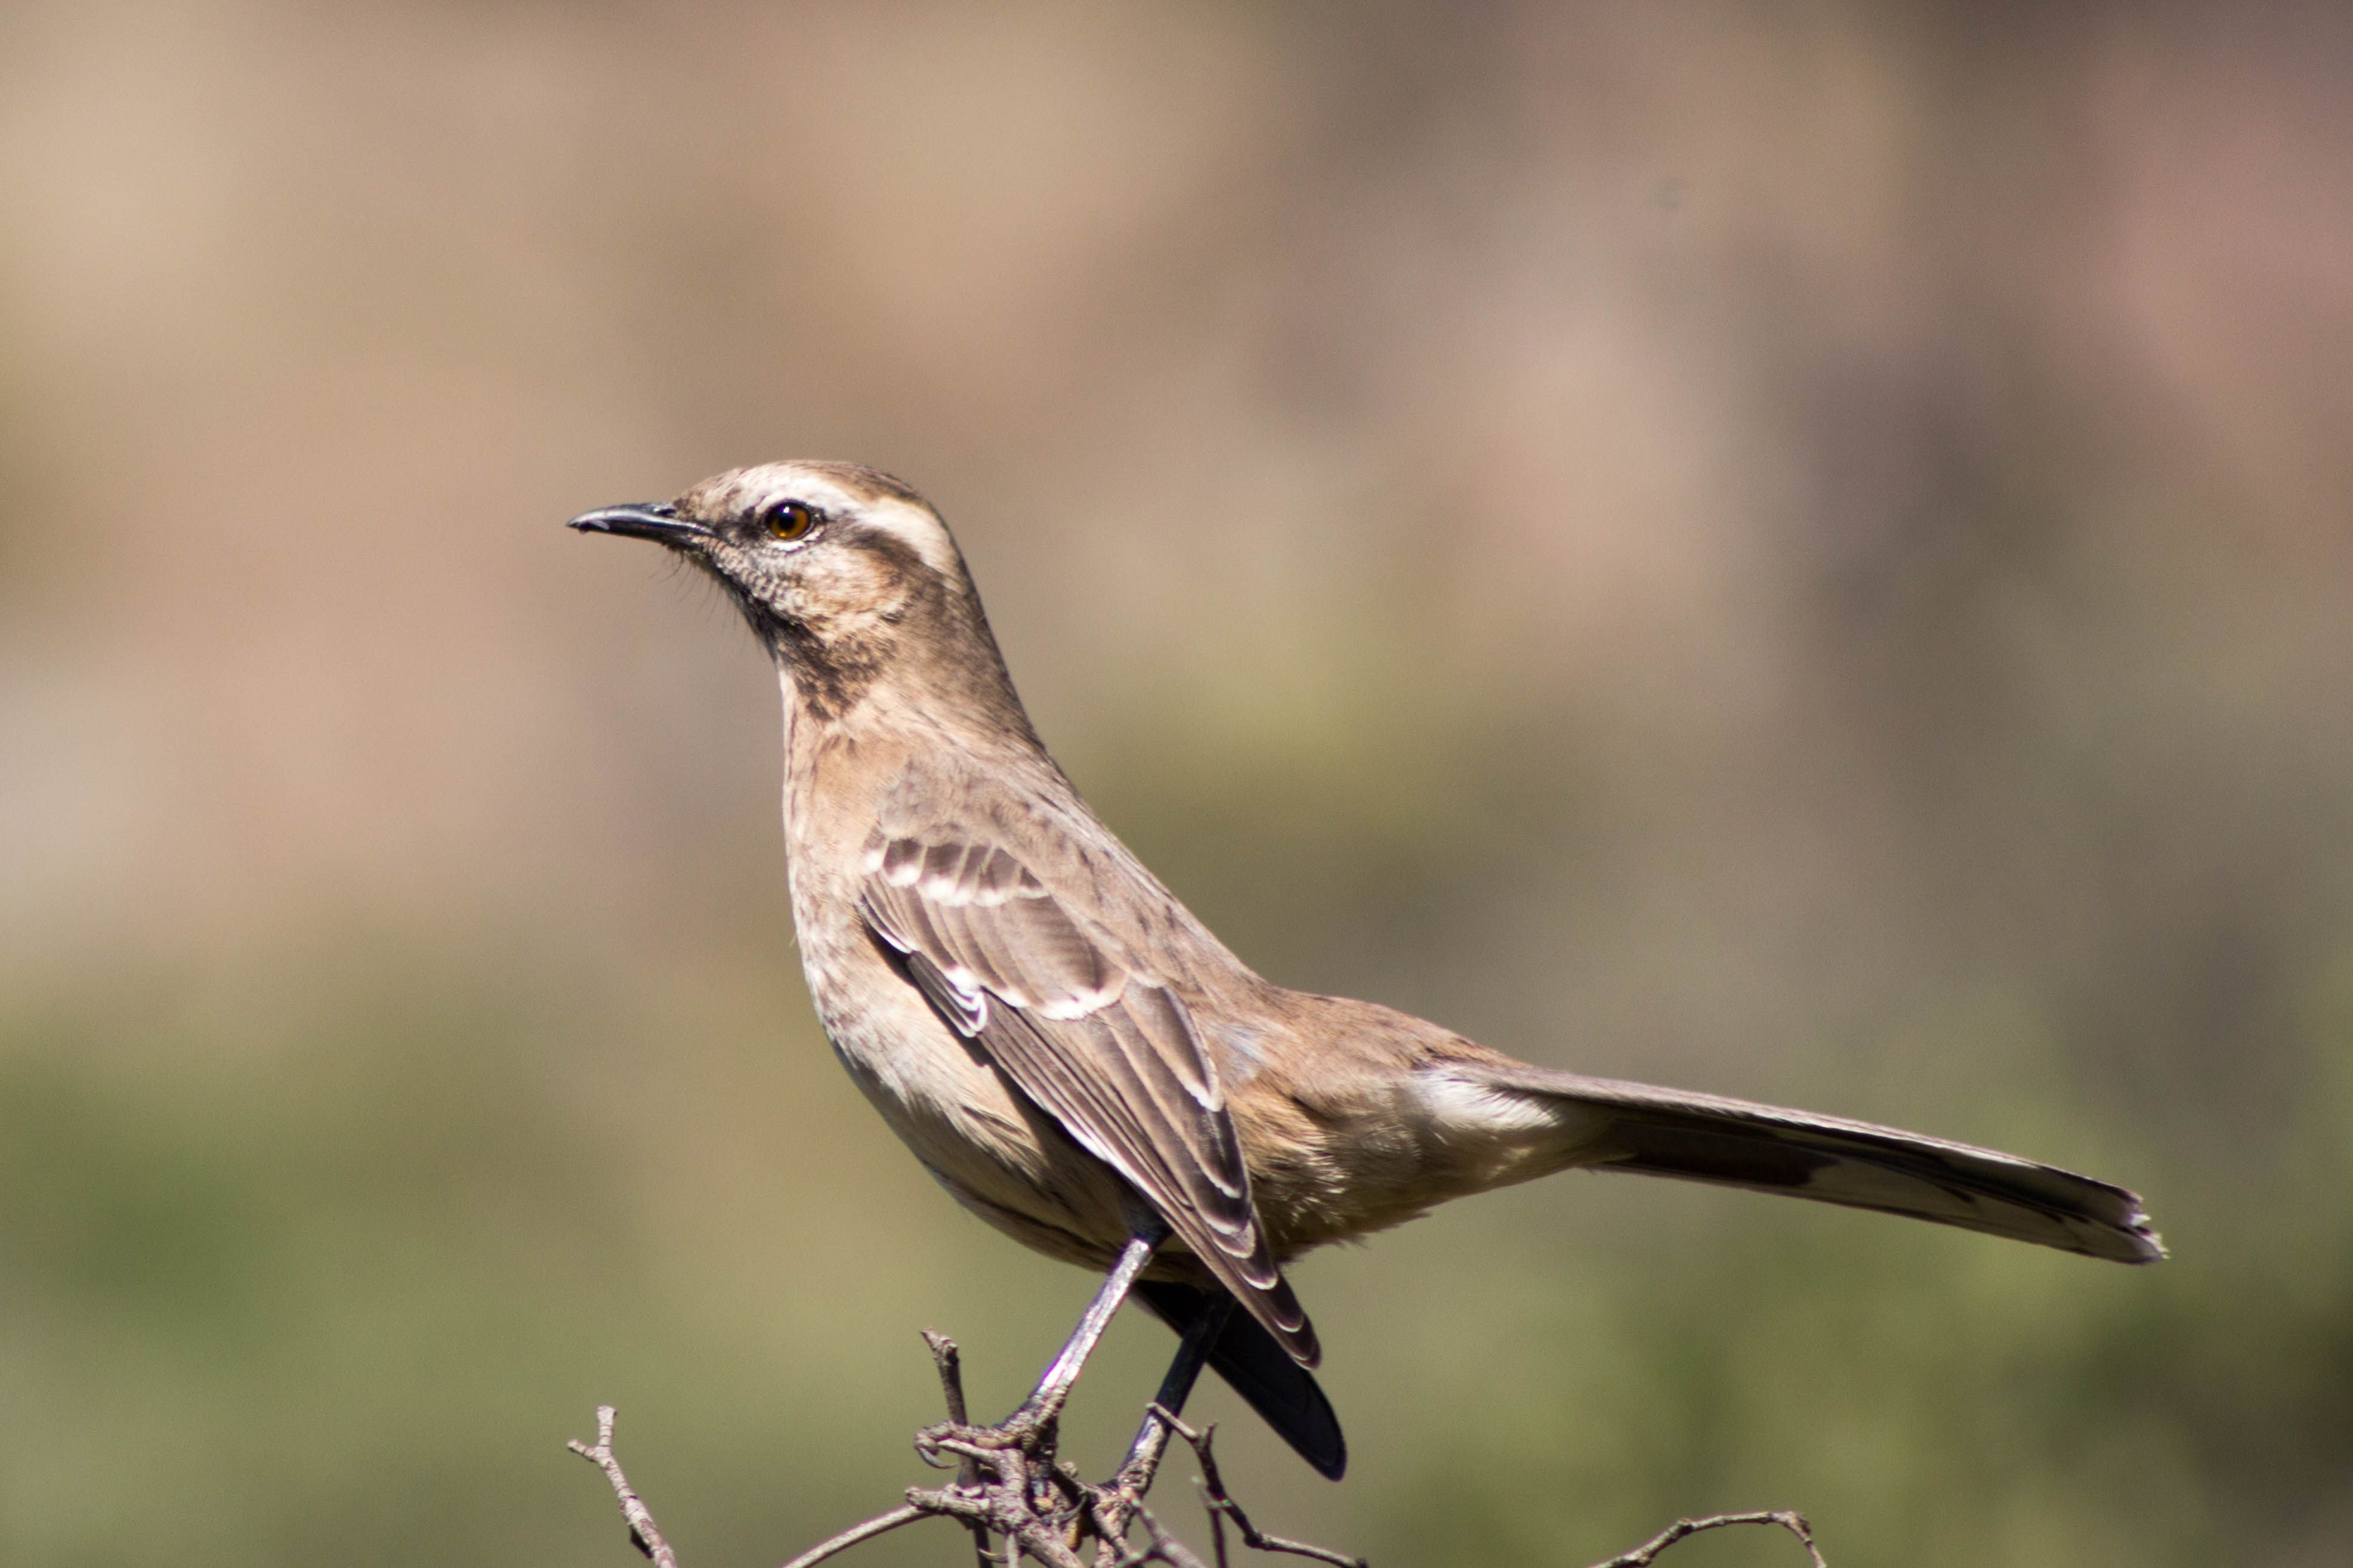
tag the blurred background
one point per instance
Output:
(1797, 551)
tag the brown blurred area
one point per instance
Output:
(1803, 552)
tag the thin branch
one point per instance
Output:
(950, 1361)
(1159, 1546)
(880, 1524)
(643, 1534)
(1215, 1498)
(1642, 1556)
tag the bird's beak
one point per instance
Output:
(655, 520)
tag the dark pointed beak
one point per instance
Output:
(655, 520)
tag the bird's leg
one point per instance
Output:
(1046, 1400)
(1113, 1507)
(1135, 1477)
(1037, 1413)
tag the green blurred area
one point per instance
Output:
(1799, 556)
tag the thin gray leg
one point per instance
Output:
(1054, 1387)
(1192, 1355)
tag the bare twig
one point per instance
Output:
(1159, 1546)
(1642, 1556)
(643, 1535)
(1222, 1507)
(950, 1361)
(880, 1524)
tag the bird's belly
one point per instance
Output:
(997, 1154)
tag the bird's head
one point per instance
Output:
(848, 576)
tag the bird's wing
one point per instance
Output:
(1258, 1368)
(1082, 1025)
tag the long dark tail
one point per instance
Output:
(1249, 1358)
(1733, 1143)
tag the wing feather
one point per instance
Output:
(1084, 1029)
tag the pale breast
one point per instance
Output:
(998, 1154)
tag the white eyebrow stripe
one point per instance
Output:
(916, 529)
(755, 489)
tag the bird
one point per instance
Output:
(1076, 1057)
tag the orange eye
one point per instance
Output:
(790, 521)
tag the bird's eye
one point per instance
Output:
(790, 520)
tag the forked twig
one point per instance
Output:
(1222, 1507)
(643, 1535)
(950, 1361)
(1642, 1556)
(1159, 1546)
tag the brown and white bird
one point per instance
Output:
(1082, 1064)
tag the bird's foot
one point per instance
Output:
(1011, 1484)
(1029, 1432)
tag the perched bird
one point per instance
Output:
(1082, 1064)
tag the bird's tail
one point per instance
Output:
(1733, 1143)
(1255, 1364)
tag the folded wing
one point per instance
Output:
(1084, 1029)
